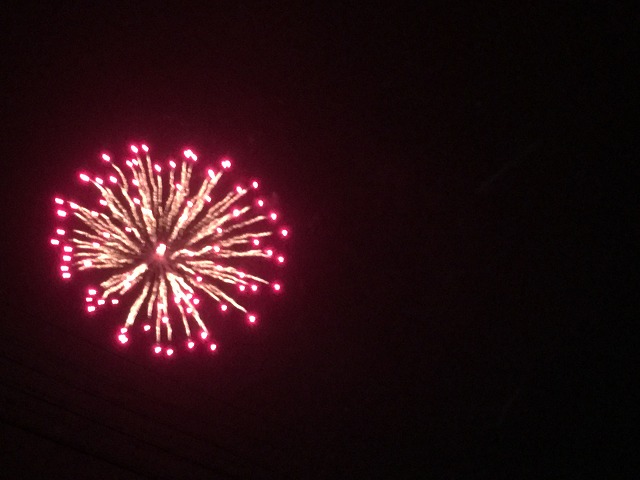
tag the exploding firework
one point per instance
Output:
(157, 245)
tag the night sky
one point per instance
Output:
(462, 195)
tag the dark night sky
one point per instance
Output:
(459, 182)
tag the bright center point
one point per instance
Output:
(161, 248)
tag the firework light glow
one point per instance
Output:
(157, 243)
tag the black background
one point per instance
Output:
(461, 188)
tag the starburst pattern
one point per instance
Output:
(158, 245)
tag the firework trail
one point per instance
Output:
(158, 244)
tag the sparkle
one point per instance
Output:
(160, 238)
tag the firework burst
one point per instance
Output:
(158, 246)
